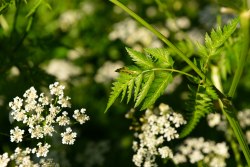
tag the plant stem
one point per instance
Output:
(171, 70)
(234, 145)
(244, 20)
(162, 37)
(230, 114)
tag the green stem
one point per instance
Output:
(244, 20)
(171, 70)
(230, 138)
(162, 37)
(230, 134)
(230, 114)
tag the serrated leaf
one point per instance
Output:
(215, 41)
(202, 50)
(130, 89)
(162, 55)
(119, 86)
(201, 103)
(124, 91)
(140, 59)
(149, 77)
(157, 88)
(138, 82)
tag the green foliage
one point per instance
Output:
(149, 78)
(214, 42)
(200, 103)
(237, 4)
(4, 5)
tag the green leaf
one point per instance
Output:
(162, 56)
(157, 88)
(201, 103)
(140, 59)
(218, 36)
(138, 82)
(149, 77)
(34, 8)
(215, 41)
(119, 86)
(130, 89)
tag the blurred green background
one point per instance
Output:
(81, 43)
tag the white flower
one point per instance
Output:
(217, 162)
(64, 119)
(36, 132)
(213, 119)
(56, 89)
(197, 149)
(221, 149)
(4, 160)
(177, 119)
(244, 118)
(54, 110)
(68, 137)
(179, 158)
(30, 94)
(42, 151)
(19, 115)
(195, 156)
(48, 130)
(30, 105)
(16, 104)
(80, 116)
(106, 72)
(16, 135)
(64, 101)
(165, 152)
(44, 100)
(157, 126)
(139, 156)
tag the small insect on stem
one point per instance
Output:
(125, 70)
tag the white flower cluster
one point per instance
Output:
(157, 127)
(217, 120)
(244, 120)
(197, 149)
(22, 158)
(130, 33)
(106, 73)
(39, 114)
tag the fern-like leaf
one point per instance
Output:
(162, 56)
(147, 80)
(215, 41)
(130, 89)
(140, 59)
(200, 104)
(120, 85)
(138, 82)
(157, 88)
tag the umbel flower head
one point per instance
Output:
(157, 128)
(39, 114)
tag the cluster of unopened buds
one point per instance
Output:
(37, 117)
